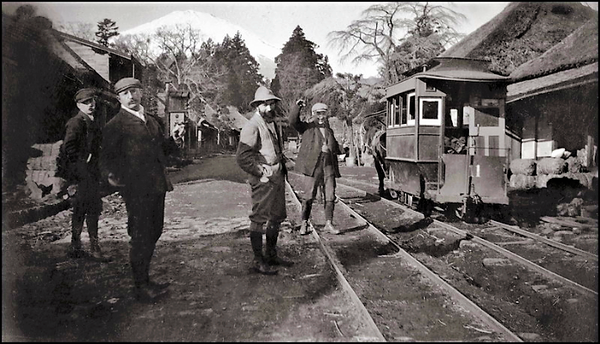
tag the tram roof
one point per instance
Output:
(453, 69)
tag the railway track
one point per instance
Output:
(512, 297)
(450, 316)
(569, 265)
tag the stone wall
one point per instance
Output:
(40, 172)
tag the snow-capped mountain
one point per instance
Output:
(215, 28)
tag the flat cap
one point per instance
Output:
(85, 94)
(126, 83)
(319, 107)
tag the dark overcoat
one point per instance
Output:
(312, 140)
(135, 152)
(83, 138)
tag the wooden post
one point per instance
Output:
(589, 159)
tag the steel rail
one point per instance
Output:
(547, 241)
(464, 301)
(524, 233)
(378, 336)
(498, 249)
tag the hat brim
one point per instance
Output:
(126, 88)
(254, 102)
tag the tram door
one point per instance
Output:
(487, 151)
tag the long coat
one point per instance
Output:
(81, 146)
(312, 140)
(135, 152)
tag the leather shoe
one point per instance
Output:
(261, 267)
(306, 227)
(159, 286)
(278, 261)
(98, 256)
(75, 252)
(329, 228)
(147, 294)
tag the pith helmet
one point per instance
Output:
(319, 107)
(262, 95)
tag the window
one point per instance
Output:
(392, 112)
(409, 115)
(397, 110)
(430, 110)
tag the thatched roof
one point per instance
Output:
(521, 32)
(237, 118)
(553, 82)
(579, 49)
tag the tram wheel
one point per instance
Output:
(393, 194)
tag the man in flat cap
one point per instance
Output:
(133, 160)
(81, 149)
(317, 160)
(259, 154)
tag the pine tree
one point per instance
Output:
(299, 67)
(106, 29)
(242, 76)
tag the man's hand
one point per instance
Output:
(301, 103)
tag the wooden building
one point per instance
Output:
(556, 97)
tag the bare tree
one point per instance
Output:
(378, 36)
(180, 57)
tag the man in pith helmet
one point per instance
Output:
(259, 154)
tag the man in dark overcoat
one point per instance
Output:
(317, 160)
(133, 160)
(81, 149)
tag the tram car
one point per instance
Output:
(447, 139)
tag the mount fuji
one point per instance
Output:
(215, 28)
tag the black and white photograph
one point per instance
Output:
(300, 171)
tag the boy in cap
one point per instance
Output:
(133, 161)
(259, 153)
(317, 160)
(81, 147)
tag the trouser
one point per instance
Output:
(307, 208)
(87, 206)
(268, 200)
(272, 234)
(145, 220)
(320, 178)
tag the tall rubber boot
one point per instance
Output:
(271, 251)
(259, 265)
(329, 218)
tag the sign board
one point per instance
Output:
(174, 119)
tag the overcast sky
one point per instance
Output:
(274, 22)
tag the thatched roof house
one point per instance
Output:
(571, 62)
(556, 94)
(521, 32)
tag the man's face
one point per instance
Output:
(320, 117)
(87, 106)
(131, 98)
(267, 110)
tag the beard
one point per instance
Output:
(268, 116)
